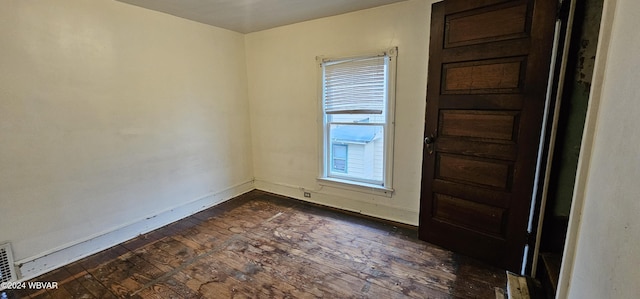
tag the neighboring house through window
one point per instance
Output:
(357, 112)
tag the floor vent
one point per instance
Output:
(7, 271)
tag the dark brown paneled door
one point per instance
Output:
(489, 65)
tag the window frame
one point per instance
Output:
(386, 186)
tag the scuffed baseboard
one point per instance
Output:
(35, 266)
(345, 201)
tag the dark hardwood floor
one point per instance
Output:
(261, 245)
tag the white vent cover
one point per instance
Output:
(7, 271)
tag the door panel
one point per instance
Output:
(488, 76)
(488, 68)
(478, 124)
(472, 171)
(470, 214)
(501, 22)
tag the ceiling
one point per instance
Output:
(247, 16)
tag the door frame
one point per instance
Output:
(586, 148)
(560, 55)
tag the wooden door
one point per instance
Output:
(489, 65)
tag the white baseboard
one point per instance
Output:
(37, 265)
(342, 199)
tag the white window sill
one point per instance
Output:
(356, 186)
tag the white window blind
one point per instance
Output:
(355, 86)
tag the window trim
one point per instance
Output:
(386, 188)
(359, 187)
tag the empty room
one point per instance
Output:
(319, 149)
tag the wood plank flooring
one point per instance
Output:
(260, 245)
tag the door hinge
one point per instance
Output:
(563, 10)
(530, 238)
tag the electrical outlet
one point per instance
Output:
(307, 194)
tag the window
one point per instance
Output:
(339, 158)
(357, 112)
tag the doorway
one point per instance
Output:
(569, 129)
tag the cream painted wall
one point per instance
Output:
(110, 113)
(605, 220)
(283, 92)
